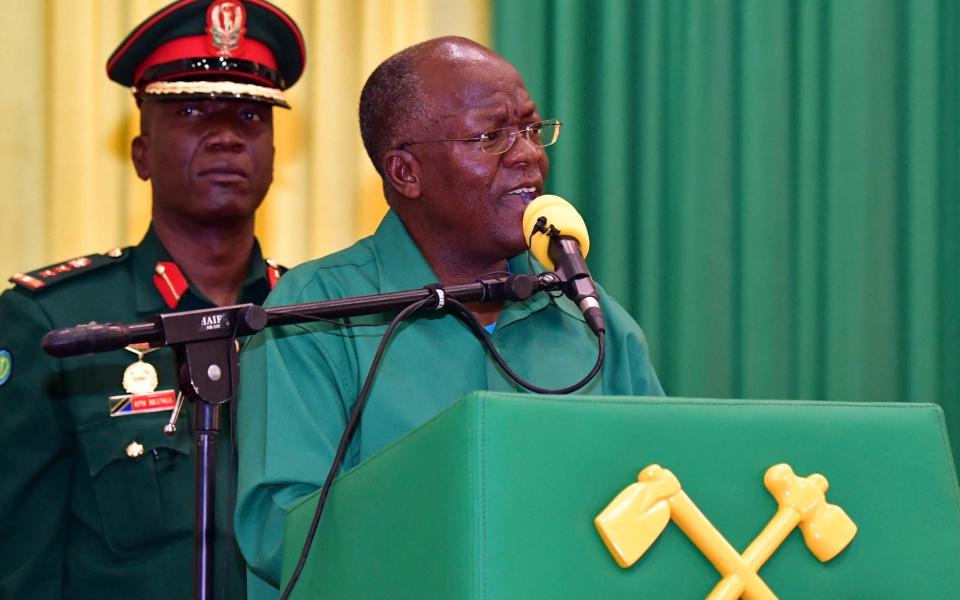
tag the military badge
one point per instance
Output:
(140, 381)
(140, 378)
(6, 366)
(225, 25)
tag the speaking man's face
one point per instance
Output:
(481, 195)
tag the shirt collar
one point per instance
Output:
(146, 255)
(403, 267)
(150, 251)
(514, 311)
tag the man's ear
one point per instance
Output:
(402, 171)
(138, 154)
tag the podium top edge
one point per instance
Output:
(698, 402)
(478, 401)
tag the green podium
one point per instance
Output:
(495, 498)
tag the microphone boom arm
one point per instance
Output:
(229, 322)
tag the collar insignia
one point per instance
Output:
(274, 271)
(170, 282)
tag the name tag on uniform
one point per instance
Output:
(130, 404)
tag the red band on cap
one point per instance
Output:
(198, 46)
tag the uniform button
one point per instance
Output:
(134, 449)
(115, 253)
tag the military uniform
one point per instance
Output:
(96, 501)
(94, 505)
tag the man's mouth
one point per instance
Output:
(527, 194)
(224, 173)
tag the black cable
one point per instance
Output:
(533, 232)
(348, 432)
(482, 333)
(355, 413)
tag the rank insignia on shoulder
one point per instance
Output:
(41, 278)
(27, 281)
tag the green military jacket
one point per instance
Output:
(299, 382)
(94, 506)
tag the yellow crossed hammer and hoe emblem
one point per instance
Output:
(640, 513)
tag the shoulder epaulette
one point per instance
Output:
(41, 279)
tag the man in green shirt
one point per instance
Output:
(450, 127)
(96, 501)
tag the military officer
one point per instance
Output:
(96, 501)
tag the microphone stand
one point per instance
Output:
(208, 365)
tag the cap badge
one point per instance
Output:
(225, 24)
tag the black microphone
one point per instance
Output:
(558, 238)
(96, 337)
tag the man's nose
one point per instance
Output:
(225, 136)
(523, 151)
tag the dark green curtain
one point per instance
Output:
(772, 187)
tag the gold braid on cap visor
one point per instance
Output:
(159, 88)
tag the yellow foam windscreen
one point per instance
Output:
(563, 216)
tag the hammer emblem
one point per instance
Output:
(637, 516)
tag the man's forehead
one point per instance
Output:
(501, 104)
(475, 83)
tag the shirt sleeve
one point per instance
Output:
(36, 454)
(289, 421)
(628, 357)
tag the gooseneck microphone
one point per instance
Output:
(558, 239)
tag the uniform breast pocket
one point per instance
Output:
(142, 480)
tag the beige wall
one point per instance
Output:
(67, 185)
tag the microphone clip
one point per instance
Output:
(541, 227)
(439, 294)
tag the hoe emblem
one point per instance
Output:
(638, 515)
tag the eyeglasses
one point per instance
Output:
(498, 141)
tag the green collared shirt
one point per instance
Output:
(79, 517)
(299, 382)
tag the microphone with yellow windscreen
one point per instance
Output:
(558, 239)
(562, 216)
